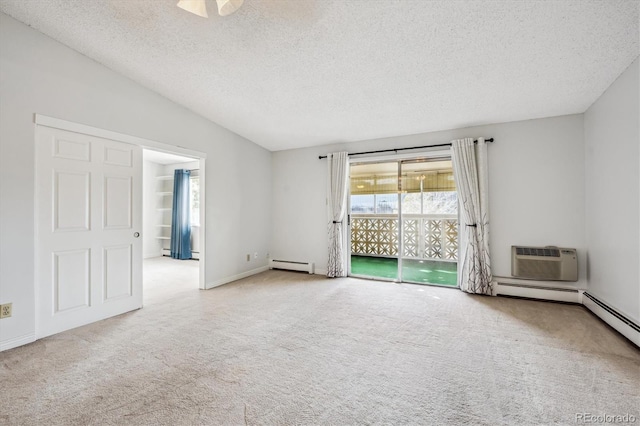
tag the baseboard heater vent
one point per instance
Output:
(613, 312)
(195, 255)
(558, 294)
(289, 265)
(539, 287)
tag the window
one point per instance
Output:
(363, 203)
(374, 204)
(386, 203)
(412, 203)
(426, 187)
(442, 202)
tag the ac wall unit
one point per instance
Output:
(544, 263)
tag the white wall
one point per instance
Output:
(151, 246)
(612, 142)
(536, 178)
(40, 75)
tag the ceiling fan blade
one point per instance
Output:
(197, 7)
(227, 7)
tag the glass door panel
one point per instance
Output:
(429, 220)
(374, 220)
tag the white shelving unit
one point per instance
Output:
(164, 193)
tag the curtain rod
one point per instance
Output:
(403, 149)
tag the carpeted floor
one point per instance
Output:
(284, 348)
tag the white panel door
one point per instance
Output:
(88, 219)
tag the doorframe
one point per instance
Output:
(57, 123)
(418, 154)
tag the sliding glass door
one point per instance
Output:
(374, 220)
(429, 217)
(404, 221)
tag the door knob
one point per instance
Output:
(136, 234)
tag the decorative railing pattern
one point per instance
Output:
(374, 235)
(424, 236)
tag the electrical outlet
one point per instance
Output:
(248, 257)
(5, 310)
(255, 255)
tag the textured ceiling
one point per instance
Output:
(294, 73)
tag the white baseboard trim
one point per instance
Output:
(17, 341)
(320, 272)
(567, 293)
(557, 294)
(619, 322)
(237, 277)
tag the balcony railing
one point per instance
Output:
(429, 237)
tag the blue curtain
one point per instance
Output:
(180, 219)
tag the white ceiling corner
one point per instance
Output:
(295, 73)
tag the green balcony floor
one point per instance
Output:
(418, 271)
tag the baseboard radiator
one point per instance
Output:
(194, 254)
(532, 291)
(289, 265)
(625, 326)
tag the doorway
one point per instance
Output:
(164, 276)
(404, 221)
(89, 222)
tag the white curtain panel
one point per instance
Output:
(338, 164)
(470, 173)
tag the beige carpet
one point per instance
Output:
(284, 348)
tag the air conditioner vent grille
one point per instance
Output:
(544, 263)
(533, 251)
(539, 270)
